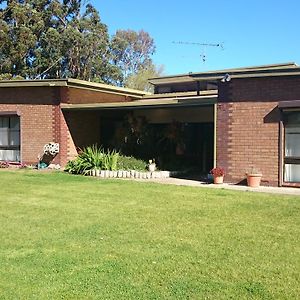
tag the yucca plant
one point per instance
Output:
(91, 158)
(110, 160)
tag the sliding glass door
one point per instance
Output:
(10, 138)
(292, 147)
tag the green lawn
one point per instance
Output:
(73, 237)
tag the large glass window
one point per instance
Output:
(292, 147)
(10, 138)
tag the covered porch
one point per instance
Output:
(179, 132)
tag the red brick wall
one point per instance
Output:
(36, 109)
(42, 120)
(248, 125)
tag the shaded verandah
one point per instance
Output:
(178, 132)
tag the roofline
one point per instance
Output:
(149, 103)
(252, 69)
(105, 87)
(33, 83)
(182, 94)
(254, 75)
(76, 83)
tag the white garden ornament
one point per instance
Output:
(51, 149)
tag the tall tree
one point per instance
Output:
(54, 39)
(132, 51)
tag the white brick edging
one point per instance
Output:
(131, 174)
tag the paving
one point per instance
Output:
(197, 183)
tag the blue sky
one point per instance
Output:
(253, 32)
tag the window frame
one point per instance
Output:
(10, 115)
(293, 160)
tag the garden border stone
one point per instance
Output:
(131, 174)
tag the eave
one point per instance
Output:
(149, 103)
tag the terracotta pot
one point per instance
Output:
(218, 179)
(253, 180)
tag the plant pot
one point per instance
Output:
(253, 180)
(218, 179)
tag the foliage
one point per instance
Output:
(128, 163)
(4, 164)
(57, 39)
(75, 237)
(218, 171)
(7, 76)
(54, 39)
(92, 158)
(131, 52)
(139, 80)
(110, 160)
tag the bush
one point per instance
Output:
(128, 163)
(4, 164)
(92, 158)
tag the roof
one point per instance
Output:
(184, 100)
(283, 69)
(76, 83)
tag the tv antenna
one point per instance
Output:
(204, 45)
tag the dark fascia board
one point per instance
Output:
(75, 83)
(106, 88)
(33, 83)
(250, 71)
(289, 104)
(142, 104)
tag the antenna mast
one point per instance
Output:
(202, 55)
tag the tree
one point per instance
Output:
(139, 80)
(65, 38)
(20, 25)
(131, 52)
(54, 39)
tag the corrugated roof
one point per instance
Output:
(263, 70)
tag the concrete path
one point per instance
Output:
(262, 189)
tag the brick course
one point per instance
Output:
(35, 108)
(42, 120)
(248, 125)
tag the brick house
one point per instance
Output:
(237, 118)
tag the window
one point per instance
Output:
(292, 147)
(10, 138)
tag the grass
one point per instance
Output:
(73, 237)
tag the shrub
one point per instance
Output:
(4, 164)
(89, 158)
(92, 157)
(110, 160)
(127, 163)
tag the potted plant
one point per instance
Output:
(218, 174)
(253, 177)
(152, 165)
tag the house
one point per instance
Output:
(235, 118)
